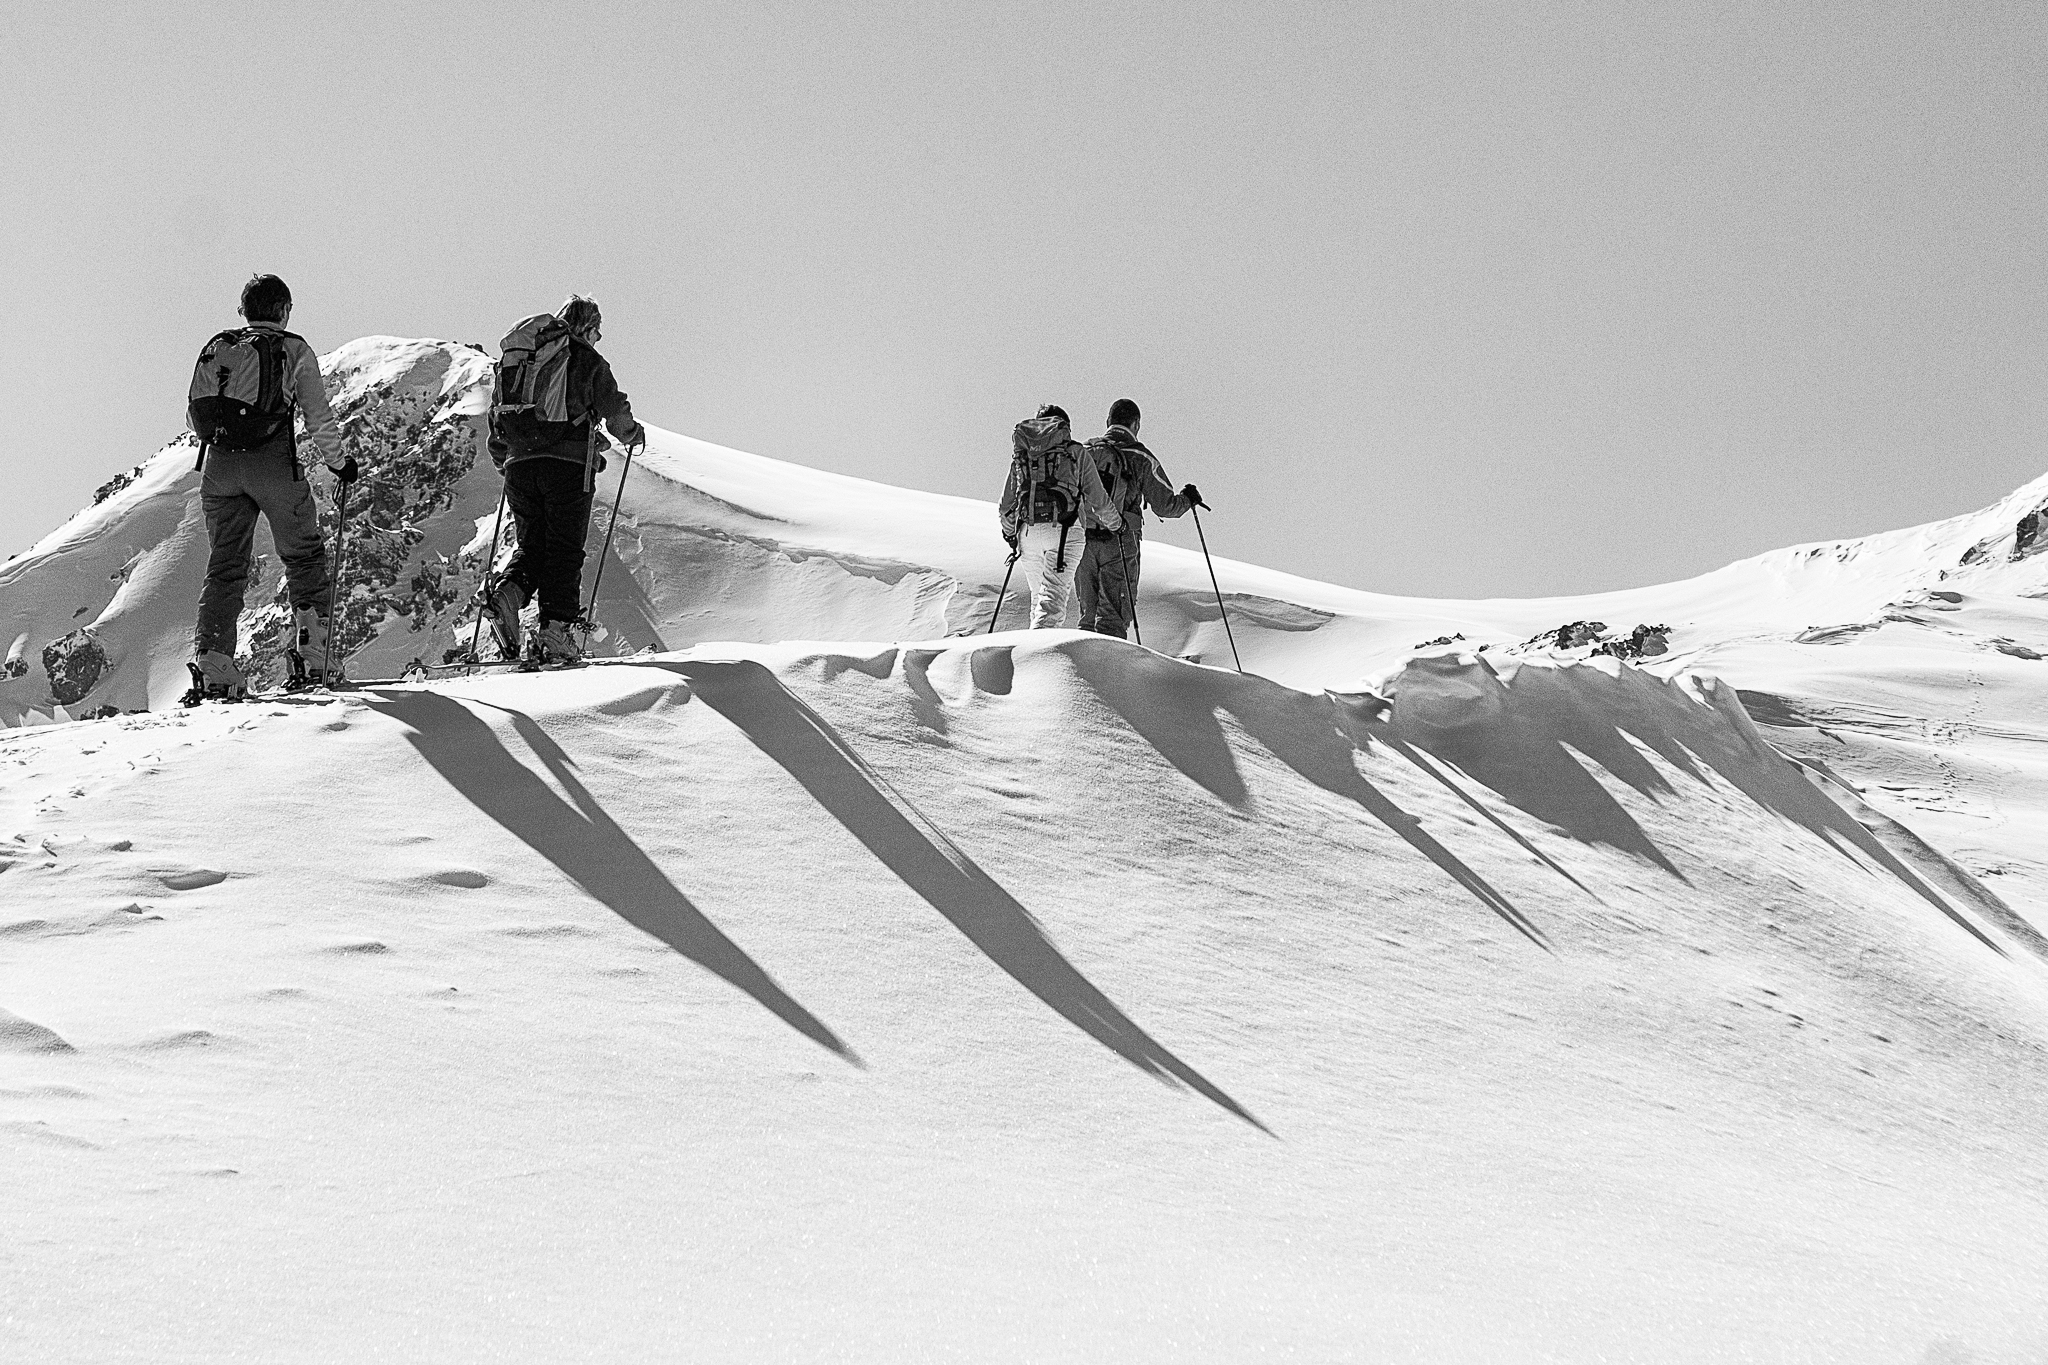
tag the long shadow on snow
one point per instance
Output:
(1173, 707)
(580, 839)
(1518, 738)
(930, 863)
(1459, 719)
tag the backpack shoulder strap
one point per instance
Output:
(272, 356)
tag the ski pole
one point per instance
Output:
(1220, 608)
(1009, 567)
(598, 577)
(334, 585)
(484, 581)
(1130, 588)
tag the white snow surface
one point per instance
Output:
(834, 982)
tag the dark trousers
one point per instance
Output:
(1107, 581)
(237, 486)
(551, 512)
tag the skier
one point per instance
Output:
(1107, 580)
(244, 389)
(552, 390)
(1052, 483)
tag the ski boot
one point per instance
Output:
(309, 657)
(554, 644)
(215, 678)
(500, 600)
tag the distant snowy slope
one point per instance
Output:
(814, 1002)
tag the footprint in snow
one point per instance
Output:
(127, 917)
(43, 1132)
(368, 946)
(191, 879)
(462, 877)
(46, 1092)
(183, 1040)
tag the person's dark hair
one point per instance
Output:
(580, 315)
(1054, 410)
(1123, 413)
(266, 298)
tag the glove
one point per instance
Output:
(1194, 496)
(349, 472)
(637, 442)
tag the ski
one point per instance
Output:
(419, 673)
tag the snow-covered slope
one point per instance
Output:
(1035, 996)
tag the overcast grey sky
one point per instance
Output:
(1459, 299)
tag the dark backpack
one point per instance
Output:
(531, 379)
(1037, 447)
(1114, 461)
(237, 401)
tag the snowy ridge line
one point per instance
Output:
(720, 544)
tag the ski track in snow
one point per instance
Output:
(1026, 996)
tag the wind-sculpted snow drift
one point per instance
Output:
(807, 1000)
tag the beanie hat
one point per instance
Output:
(1123, 413)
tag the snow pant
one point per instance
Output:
(551, 513)
(1107, 581)
(1046, 578)
(235, 487)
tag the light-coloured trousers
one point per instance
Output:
(1049, 582)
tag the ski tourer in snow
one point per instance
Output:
(1107, 579)
(550, 393)
(1052, 484)
(246, 387)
